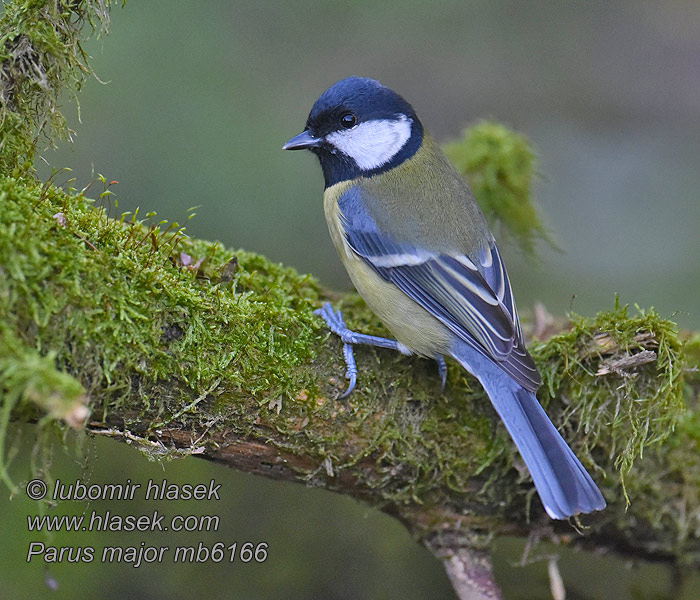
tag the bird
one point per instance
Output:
(419, 252)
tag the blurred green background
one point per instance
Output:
(200, 95)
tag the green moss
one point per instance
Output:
(31, 388)
(621, 407)
(42, 59)
(499, 164)
(113, 302)
(130, 307)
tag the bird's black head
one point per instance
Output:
(357, 128)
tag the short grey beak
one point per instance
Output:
(302, 141)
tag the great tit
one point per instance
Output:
(419, 251)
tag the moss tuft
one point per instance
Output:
(41, 58)
(499, 164)
(620, 379)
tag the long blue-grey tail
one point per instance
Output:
(564, 486)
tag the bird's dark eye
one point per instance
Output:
(348, 120)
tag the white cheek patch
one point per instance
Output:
(373, 143)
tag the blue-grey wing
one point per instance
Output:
(472, 299)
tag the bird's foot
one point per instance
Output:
(334, 321)
(442, 371)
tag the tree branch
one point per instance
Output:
(182, 346)
(234, 368)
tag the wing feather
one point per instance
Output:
(474, 301)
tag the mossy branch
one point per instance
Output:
(183, 346)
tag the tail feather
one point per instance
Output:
(563, 484)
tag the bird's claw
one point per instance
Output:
(334, 321)
(350, 371)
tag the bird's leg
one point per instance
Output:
(442, 370)
(335, 323)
